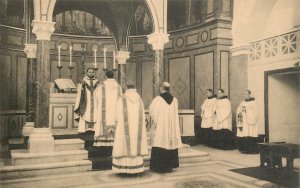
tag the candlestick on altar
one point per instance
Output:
(59, 55)
(71, 55)
(70, 68)
(59, 67)
(114, 60)
(95, 53)
(104, 55)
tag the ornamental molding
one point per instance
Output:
(158, 40)
(122, 57)
(243, 49)
(43, 29)
(30, 50)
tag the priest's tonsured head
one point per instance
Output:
(165, 86)
(109, 73)
(130, 84)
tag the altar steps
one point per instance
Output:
(69, 156)
(101, 157)
(73, 154)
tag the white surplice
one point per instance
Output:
(208, 110)
(247, 120)
(130, 144)
(166, 122)
(110, 91)
(91, 101)
(223, 115)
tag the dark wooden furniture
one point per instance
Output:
(271, 154)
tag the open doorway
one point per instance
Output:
(282, 103)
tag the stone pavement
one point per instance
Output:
(213, 173)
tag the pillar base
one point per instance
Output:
(28, 128)
(41, 141)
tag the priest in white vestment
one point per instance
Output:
(110, 91)
(167, 139)
(87, 100)
(222, 128)
(130, 144)
(247, 124)
(208, 116)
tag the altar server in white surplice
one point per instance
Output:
(247, 124)
(208, 116)
(224, 137)
(110, 91)
(167, 139)
(130, 144)
(87, 100)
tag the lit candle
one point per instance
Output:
(95, 52)
(59, 55)
(104, 54)
(114, 63)
(71, 55)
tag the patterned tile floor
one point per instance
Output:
(214, 173)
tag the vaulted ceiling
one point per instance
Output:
(116, 15)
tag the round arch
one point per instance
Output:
(154, 15)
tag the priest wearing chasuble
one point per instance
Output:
(247, 125)
(130, 143)
(86, 105)
(110, 91)
(223, 136)
(167, 139)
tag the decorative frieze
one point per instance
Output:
(280, 45)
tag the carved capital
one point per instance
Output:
(243, 49)
(30, 50)
(158, 40)
(43, 29)
(122, 57)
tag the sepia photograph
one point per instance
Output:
(150, 93)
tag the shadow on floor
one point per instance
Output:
(276, 176)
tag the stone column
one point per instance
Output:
(122, 57)
(41, 139)
(30, 50)
(158, 40)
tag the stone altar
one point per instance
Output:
(61, 116)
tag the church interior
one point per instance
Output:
(46, 46)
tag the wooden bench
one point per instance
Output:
(271, 154)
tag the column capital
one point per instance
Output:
(158, 40)
(30, 50)
(122, 57)
(43, 29)
(242, 49)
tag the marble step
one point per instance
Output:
(22, 157)
(183, 149)
(68, 144)
(95, 152)
(34, 170)
(186, 155)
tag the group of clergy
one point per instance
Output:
(118, 121)
(216, 124)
